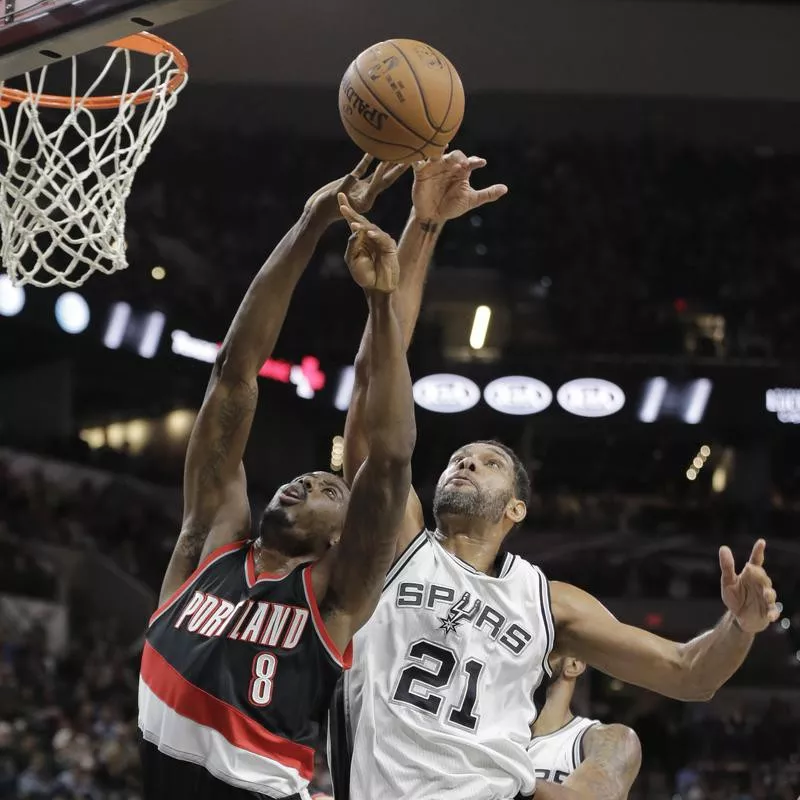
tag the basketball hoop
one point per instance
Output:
(64, 188)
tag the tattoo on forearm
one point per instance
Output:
(612, 761)
(233, 411)
(428, 226)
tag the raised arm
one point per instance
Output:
(354, 570)
(441, 192)
(216, 509)
(693, 670)
(611, 762)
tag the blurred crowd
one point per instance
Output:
(136, 528)
(623, 241)
(68, 732)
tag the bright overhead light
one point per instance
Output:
(480, 327)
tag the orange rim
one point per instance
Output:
(147, 43)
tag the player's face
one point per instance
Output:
(306, 515)
(478, 482)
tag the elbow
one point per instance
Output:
(696, 692)
(361, 366)
(693, 686)
(394, 448)
(230, 369)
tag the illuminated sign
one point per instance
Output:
(138, 331)
(518, 394)
(12, 298)
(785, 404)
(306, 377)
(189, 347)
(446, 394)
(591, 397)
(685, 401)
(72, 313)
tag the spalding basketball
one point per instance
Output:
(401, 100)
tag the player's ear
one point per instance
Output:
(516, 510)
(573, 668)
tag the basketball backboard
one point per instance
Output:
(38, 32)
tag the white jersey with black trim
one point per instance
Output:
(440, 697)
(555, 756)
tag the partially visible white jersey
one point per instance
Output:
(555, 756)
(440, 697)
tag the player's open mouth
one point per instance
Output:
(291, 495)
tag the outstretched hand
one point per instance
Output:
(442, 190)
(361, 190)
(371, 254)
(749, 596)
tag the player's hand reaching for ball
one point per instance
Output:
(442, 190)
(371, 254)
(361, 190)
(749, 596)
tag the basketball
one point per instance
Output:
(401, 100)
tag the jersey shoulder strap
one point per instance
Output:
(210, 560)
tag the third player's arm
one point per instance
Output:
(693, 670)
(612, 758)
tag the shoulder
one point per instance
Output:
(571, 604)
(613, 741)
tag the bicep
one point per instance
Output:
(198, 539)
(216, 510)
(587, 630)
(213, 471)
(367, 546)
(412, 522)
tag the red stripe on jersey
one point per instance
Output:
(343, 660)
(250, 571)
(199, 706)
(212, 556)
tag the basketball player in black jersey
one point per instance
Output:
(250, 637)
(481, 496)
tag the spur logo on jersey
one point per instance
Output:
(431, 597)
(262, 623)
(460, 612)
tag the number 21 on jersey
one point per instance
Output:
(430, 674)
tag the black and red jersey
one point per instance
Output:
(237, 673)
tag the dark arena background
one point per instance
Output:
(642, 352)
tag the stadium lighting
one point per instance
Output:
(480, 327)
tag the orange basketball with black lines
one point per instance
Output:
(401, 100)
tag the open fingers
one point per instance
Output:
(727, 565)
(489, 194)
(381, 240)
(757, 556)
(476, 162)
(349, 213)
(362, 168)
(393, 173)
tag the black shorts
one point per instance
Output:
(166, 778)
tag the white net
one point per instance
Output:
(67, 173)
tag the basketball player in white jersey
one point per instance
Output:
(595, 761)
(440, 699)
